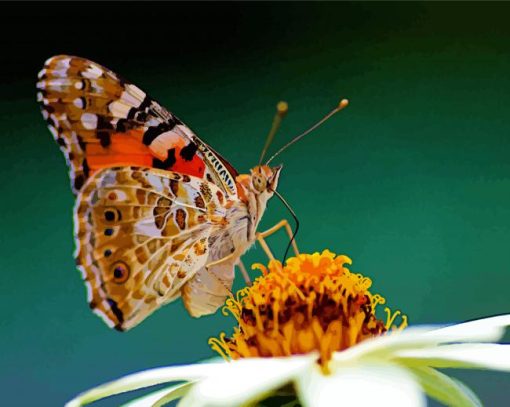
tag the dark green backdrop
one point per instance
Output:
(412, 180)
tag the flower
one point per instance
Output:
(312, 303)
(310, 329)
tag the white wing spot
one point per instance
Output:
(159, 145)
(89, 121)
(130, 99)
(136, 92)
(59, 73)
(156, 182)
(147, 227)
(119, 109)
(93, 72)
(78, 102)
(61, 63)
(53, 131)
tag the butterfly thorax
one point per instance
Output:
(253, 190)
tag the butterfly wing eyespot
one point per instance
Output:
(120, 272)
(112, 214)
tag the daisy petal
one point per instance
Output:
(246, 380)
(468, 355)
(383, 347)
(481, 330)
(161, 397)
(445, 389)
(146, 379)
(363, 385)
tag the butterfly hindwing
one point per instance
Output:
(100, 120)
(142, 233)
(206, 291)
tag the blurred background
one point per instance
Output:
(412, 180)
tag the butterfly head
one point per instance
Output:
(264, 179)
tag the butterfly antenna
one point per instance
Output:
(343, 104)
(294, 216)
(281, 110)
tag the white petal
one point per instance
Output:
(383, 347)
(246, 380)
(363, 385)
(467, 355)
(145, 379)
(481, 330)
(160, 397)
(445, 389)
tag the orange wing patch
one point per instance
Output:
(125, 149)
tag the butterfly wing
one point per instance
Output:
(206, 291)
(142, 234)
(100, 120)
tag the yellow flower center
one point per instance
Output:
(312, 303)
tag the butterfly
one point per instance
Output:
(159, 214)
(155, 204)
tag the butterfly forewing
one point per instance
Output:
(100, 120)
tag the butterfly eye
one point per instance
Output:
(259, 183)
(120, 271)
(112, 215)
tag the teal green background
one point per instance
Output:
(412, 180)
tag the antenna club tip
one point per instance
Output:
(343, 104)
(282, 108)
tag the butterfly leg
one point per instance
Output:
(262, 235)
(239, 264)
(242, 268)
(219, 261)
